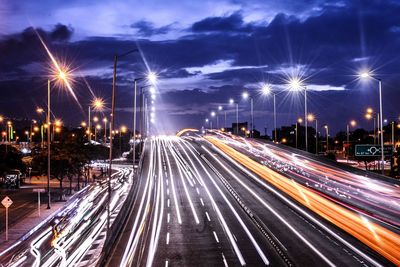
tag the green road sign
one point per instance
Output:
(372, 150)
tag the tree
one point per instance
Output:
(10, 158)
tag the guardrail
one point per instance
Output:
(122, 217)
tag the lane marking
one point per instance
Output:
(208, 217)
(215, 236)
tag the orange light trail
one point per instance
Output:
(380, 239)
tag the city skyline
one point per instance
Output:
(203, 58)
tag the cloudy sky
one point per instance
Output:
(204, 53)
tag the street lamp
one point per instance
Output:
(311, 117)
(219, 109)
(105, 129)
(98, 105)
(299, 120)
(231, 102)
(27, 136)
(152, 78)
(297, 85)
(212, 116)
(327, 137)
(370, 114)
(245, 96)
(112, 117)
(352, 123)
(267, 90)
(368, 75)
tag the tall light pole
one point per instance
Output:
(393, 136)
(206, 120)
(105, 129)
(152, 78)
(231, 102)
(352, 123)
(112, 118)
(368, 75)
(299, 120)
(219, 109)
(266, 90)
(48, 145)
(245, 96)
(370, 114)
(296, 85)
(311, 117)
(327, 138)
(213, 114)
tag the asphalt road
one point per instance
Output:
(195, 207)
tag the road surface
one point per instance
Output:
(198, 208)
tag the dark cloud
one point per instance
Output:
(328, 44)
(231, 23)
(146, 29)
(61, 33)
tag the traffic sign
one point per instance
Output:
(39, 190)
(373, 150)
(6, 202)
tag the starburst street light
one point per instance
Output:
(365, 75)
(267, 90)
(98, 104)
(245, 96)
(311, 117)
(152, 77)
(295, 84)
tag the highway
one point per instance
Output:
(363, 191)
(221, 200)
(67, 238)
(197, 206)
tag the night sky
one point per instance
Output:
(204, 53)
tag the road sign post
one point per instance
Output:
(39, 190)
(6, 203)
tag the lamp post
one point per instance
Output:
(368, 75)
(152, 78)
(266, 90)
(213, 114)
(352, 123)
(219, 109)
(311, 117)
(231, 101)
(296, 84)
(393, 135)
(327, 138)
(112, 117)
(299, 120)
(105, 129)
(206, 120)
(245, 96)
(48, 145)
